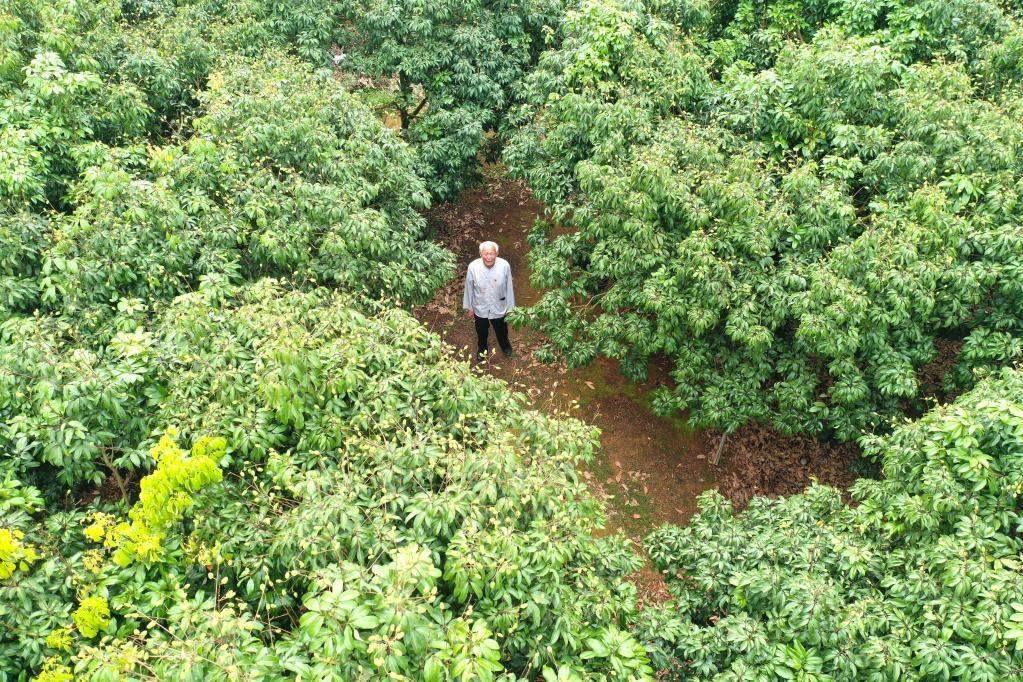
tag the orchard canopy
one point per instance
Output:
(801, 204)
(229, 452)
(919, 579)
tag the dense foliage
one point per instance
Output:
(205, 241)
(229, 452)
(379, 512)
(283, 174)
(799, 203)
(454, 63)
(442, 71)
(919, 580)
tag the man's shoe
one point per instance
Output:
(481, 357)
(508, 351)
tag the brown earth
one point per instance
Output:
(758, 460)
(651, 469)
(110, 489)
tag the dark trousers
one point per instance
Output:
(483, 330)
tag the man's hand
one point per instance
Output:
(470, 313)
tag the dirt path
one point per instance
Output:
(650, 469)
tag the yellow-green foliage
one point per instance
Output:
(61, 639)
(92, 615)
(165, 496)
(15, 554)
(54, 671)
(165, 493)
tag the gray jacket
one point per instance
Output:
(488, 291)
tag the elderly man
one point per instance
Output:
(488, 297)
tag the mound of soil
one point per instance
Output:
(757, 460)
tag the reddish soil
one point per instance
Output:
(652, 468)
(757, 460)
(931, 375)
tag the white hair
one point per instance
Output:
(484, 245)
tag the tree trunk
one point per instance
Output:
(105, 457)
(404, 98)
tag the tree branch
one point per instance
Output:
(117, 476)
(418, 109)
(721, 445)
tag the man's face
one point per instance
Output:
(489, 256)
